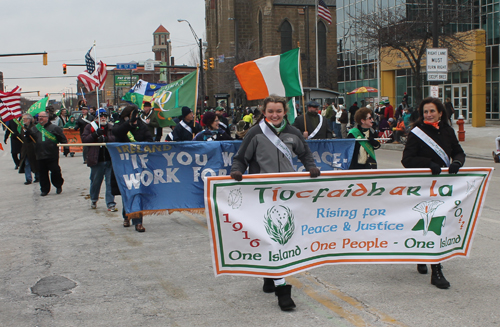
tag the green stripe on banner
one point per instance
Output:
(289, 72)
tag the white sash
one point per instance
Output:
(85, 120)
(171, 136)
(183, 124)
(317, 128)
(146, 117)
(276, 141)
(223, 125)
(432, 144)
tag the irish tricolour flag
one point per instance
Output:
(278, 75)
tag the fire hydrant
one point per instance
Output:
(461, 131)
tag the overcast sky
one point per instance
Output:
(123, 31)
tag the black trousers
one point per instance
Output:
(44, 167)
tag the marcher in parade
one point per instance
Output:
(150, 119)
(46, 136)
(71, 123)
(352, 112)
(317, 126)
(186, 128)
(223, 122)
(260, 153)
(363, 156)
(99, 159)
(83, 121)
(432, 143)
(213, 130)
(29, 164)
(450, 111)
(130, 128)
(15, 141)
(343, 119)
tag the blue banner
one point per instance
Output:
(169, 175)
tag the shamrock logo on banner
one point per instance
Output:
(279, 223)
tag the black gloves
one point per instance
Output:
(102, 139)
(436, 170)
(454, 167)
(98, 133)
(314, 172)
(236, 175)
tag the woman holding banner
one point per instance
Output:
(432, 143)
(267, 148)
(363, 156)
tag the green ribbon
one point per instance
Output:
(46, 133)
(365, 144)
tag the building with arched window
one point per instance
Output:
(243, 30)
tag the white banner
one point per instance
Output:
(275, 225)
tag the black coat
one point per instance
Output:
(357, 146)
(182, 134)
(28, 152)
(15, 143)
(140, 132)
(44, 147)
(417, 154)
(323, 133)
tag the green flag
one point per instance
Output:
(292, 111)
(38, 106)
(172, 97)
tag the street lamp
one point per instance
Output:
(200, 44)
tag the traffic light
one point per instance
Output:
(205, 64)
(212, 63)
(64, 69)
(45, 59)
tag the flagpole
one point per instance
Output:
(196, 93)
(98, 86)
(303, 102)
(11, 132)
(316, 29)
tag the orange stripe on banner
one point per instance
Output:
(251, 80)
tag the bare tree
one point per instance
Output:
(407, 31)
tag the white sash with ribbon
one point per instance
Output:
(317, 128)
(183, 124)
(276, 141)
(223, 125)
(432, 144)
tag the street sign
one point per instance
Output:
(149, 65)
(129, 65)
(434, 91)
(437, 60)
(437, 77)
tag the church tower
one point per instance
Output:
(161, 45)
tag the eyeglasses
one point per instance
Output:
(369, 118)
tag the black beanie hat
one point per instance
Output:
(186, 111)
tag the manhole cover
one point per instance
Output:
(53, 286)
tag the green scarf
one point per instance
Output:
(365, 144)
(280, 128)
(46, 133)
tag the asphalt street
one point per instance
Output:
(64, 264)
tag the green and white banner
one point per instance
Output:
(275, 225)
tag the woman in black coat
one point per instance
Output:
(363, 156)
(418, 153)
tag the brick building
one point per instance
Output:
(243, 30)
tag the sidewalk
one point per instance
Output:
(479, 141)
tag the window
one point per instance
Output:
(286, 36)
(261, 50)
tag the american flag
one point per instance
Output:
(10, 104)
(324, 12)
(96, 79)
(89, 61)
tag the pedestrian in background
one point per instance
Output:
(212, 131)
(186, 128)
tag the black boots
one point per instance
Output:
(437, 277)
(268, 285)
(284, 294)
(422, 269)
